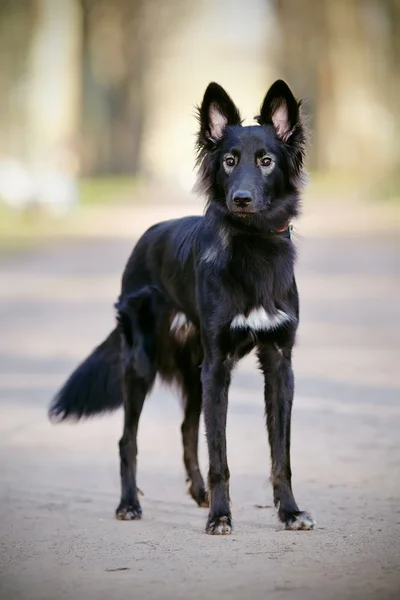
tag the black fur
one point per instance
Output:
(94, 387)
(212, 271)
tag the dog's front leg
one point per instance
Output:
(278, 390)
(216, 376)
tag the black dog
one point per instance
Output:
(201, 292)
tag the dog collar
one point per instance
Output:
(287, 227)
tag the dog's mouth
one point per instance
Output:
(243, 212)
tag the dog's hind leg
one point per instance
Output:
(138, 369)
(279, 389)
(181, 364)
(135, 391)
(190, 436)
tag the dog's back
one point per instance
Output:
(165, 252)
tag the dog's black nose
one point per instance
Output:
(242, 199)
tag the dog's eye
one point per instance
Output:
(266, 161)
(230, 161)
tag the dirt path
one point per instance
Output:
(59, 485)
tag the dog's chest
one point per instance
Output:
(245, 295)
(256, 289)
(258, 268)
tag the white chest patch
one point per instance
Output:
(259, 320)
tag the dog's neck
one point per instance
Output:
(253, 225)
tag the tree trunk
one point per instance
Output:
(54, 84)
(338, 54)
(115, 55)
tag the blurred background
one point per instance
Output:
(97, 105)
(98, 96)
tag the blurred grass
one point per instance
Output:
(99, 198)
(325, 186)
(389, 190)
(106, 189)
(22, 228)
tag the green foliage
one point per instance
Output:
(19, 228)
(110, 189)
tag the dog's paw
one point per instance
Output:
(198, 493)
(128, 512)
(219, 525)
(300, 520)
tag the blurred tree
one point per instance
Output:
(39, 76)
(122, 39)
(39, 101)
(394, 66)
(342, 56)
(54, 92)
(114, 61)
(16, 26)
(97, 68)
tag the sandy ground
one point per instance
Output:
(60, 484)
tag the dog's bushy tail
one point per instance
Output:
(95, 385)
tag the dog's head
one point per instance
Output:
(252, 173)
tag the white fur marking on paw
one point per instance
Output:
(222, 529)
(303, 521)
(259, 320)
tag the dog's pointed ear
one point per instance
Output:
(216, 112)
(280, 109)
